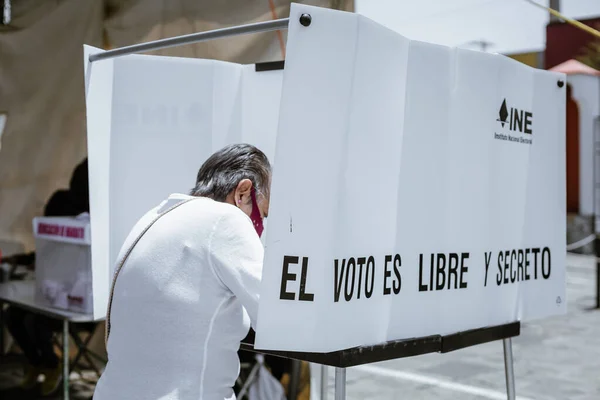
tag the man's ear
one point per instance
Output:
(243, 191)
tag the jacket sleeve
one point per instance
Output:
(236, 254)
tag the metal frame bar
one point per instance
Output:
(266, 26)
(508, 369)
(65, 366)
(324, 382)
(81, 348)
(294, 384)
(251, 376)
(85, 352)
(596, 199)
(340, 384)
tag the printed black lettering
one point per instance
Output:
(488, 257)
(431, 263)
(513, 256)
(397, 285)
(303, 296)
(506, 265)
(518, 120)
(546, 253)
(287, 276)
(351, 264)
(360, 261)
(527, 251)
(463, 269)
(499, 274)
(387, 273)
(453, 270)
(337, 282)
(528, 118)
(535, 266)
(520, 273)
(512, 119)
(371, 268)
(441, 266)
(422, 288)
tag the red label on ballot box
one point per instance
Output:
(61, 230)
(73, 230)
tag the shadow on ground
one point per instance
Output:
(11, 367)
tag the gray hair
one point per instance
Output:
(223, 171)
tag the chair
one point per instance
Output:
(10, 265)
(9, 250)
(83, 349)
(249, 368)
(283, 370)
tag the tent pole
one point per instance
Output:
(193, 38)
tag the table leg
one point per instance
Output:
(1, 328)
(340, 383)
(508, 368)
(65, 359)
(324, 382)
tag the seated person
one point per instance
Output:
(33, 332)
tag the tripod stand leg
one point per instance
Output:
(508, 368)
(324, 382)
(340, 383)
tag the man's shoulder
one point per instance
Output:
(205, 210)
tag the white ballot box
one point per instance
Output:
(63, 265)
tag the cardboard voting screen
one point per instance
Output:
(418, 190)
(152, 122)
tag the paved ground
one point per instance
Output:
(555, 359)
(11, 372)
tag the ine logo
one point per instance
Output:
(517, 120)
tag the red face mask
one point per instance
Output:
(255, 216)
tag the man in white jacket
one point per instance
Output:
(186, 287)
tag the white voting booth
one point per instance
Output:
(152, 121)
(423, 193)
(418, 190)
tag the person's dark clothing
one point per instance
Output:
(62, 203)
(33, 332)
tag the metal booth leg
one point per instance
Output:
(508, 368)
(294, 379)
(597, 251)
(65, 343)
(340, 383)
(324, 382)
